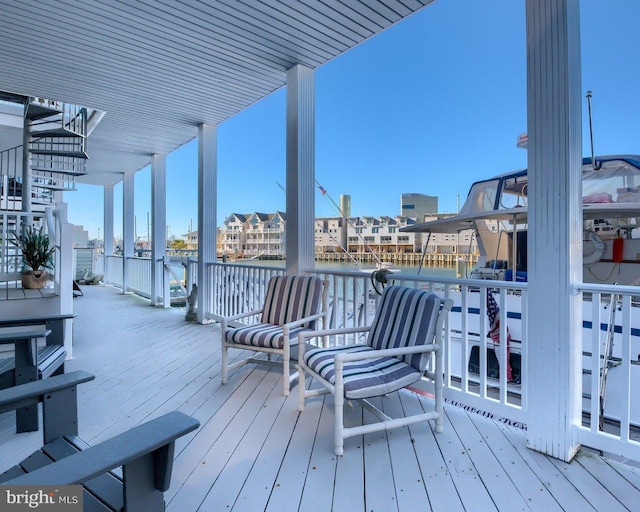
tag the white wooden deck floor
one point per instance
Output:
(255, 452)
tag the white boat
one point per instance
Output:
(496, 209)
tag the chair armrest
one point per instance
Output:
(225, 320)
(31, 393)
(330, 332)
(128, 447)
(300, 321)
(388, 352)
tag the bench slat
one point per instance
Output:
(105, 487)
(50, 359)
(35, 461)
(10, 473)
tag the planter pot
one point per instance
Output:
(34, 279)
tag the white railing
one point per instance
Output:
(611, 353)
(115, 271)
(139, 276)
(237, 288)
(12, 224)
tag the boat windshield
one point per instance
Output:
(481, 198)
(617, 181)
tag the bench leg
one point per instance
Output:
(140, 491)
(26, 371)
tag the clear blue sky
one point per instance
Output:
(430, 105)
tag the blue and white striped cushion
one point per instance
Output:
(406, 317)
(362, 379)
(262, 335)
(290, 298)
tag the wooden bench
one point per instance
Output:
(42, 362)
(50, 361)
(53, 322)
(129, 472)
(29, 364)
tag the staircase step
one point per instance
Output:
(57, 183)
(36, 111)
(67, 172)
(72, 188)
(55, 132)
(53, 152)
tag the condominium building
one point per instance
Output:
(418, 205)
(262, 235)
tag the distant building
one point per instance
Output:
(191, 240)
(253, 235)
(345, 205)
(262, 236)
(418, 205)
(80, 237)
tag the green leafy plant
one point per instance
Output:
(34, 245)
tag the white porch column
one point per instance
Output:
(159, 285)
(555, 225)
(108, 229)
(64, 261)
(300, 168)
(128, 220)
(207, 204)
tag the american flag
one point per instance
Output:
(493, 312)
(322, 191)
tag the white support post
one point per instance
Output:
(207, 203)
(65, 264)
(159, 278)
(108, 230)
(555, 225)
(27, 173)
(128, 220)
(300, 169)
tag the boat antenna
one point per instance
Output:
(596, 165)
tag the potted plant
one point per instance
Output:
(37, 256)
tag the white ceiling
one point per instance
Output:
(159, 68)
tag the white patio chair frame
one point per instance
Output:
(288, 378)
(337, 389)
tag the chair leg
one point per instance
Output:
(286, 358)
(439, 385)
(301, 386)
(225, 368)
(338, 399)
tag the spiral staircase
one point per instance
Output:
(55, 134)
(33, 176)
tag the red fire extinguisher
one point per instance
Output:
(618, 248)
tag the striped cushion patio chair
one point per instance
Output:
(292, 305)
(407, 330)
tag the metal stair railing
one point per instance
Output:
(44, 183)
